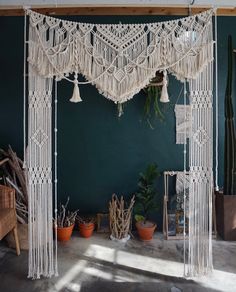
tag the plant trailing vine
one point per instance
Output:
(152, 103)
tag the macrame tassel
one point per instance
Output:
(164, 93)
(76, 94)
(120, 109)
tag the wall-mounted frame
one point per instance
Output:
(180, 221)
(176, 232)
(103, 223)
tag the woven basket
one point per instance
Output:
(22, 230)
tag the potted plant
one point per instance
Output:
(86, 226)
(152, 101)
(145, 202)
(226, 200)
(65, 222)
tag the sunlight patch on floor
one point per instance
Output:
(72, 273)
(212, 281)
(126, 265)
(140, 262)
(98, 273)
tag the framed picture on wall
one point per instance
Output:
(103, 223)
(180, 222)
(171, 224)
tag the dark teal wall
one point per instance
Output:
(98, 153)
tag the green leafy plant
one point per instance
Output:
(146, 195)
(152, 103)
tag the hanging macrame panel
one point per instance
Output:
(182, 114)
(41, 258)
(119, 59)
(201, 176)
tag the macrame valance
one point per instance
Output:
(119, 59)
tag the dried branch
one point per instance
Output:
(120, 216)
(14, 176)
(65, 218)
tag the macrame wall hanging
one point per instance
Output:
(182, 114)
(119, 59)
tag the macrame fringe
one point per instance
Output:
(119, 60)
(76, 94)
(119, 75)
(39, 163)
(164, 93)
(201, 175)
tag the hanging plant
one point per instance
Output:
(152, 102)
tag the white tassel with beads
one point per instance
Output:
(76, 93)
(164, 93)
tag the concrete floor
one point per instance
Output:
(101, 265)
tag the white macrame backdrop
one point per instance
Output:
(201, 176)
(119, 59)
(41, 258)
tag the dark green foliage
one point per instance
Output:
(152, 108)
(145, 197)
(230, 143)
(152, 102)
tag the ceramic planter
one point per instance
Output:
(145, 230)
(86, 229)
(64, 233)
(226, 216)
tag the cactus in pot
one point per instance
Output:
(230, 142)
(226, 200)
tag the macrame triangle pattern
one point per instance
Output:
(119, 59)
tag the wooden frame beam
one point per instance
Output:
(115, 10)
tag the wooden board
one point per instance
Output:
(114, 10)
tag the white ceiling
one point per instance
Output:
(117, 2)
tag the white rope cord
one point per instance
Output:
(55, 173)
(185, 170)
(216, 106)
(66, 78)
(201, 163)
(128, 59)
(119, 81)
(120, 74)
(24, 91)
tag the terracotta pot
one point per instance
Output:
(226, 216)
(145, 230)
(86, 229)
(64, 233)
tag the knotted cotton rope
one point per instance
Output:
(119, 59)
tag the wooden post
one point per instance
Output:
(16, 240)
